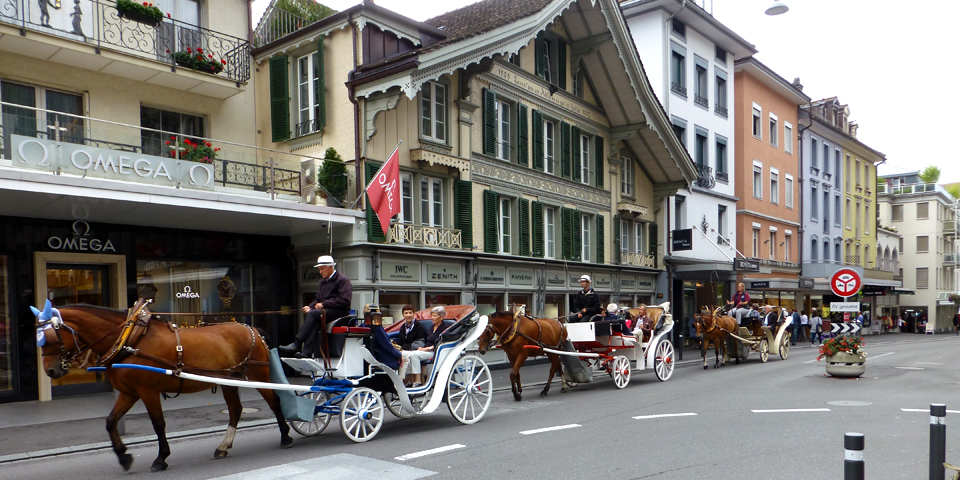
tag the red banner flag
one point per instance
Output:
(384, 190)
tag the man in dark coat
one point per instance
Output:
(333, 298)
(586, 303)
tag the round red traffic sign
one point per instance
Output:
(845, 282)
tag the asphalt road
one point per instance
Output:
(719, 435)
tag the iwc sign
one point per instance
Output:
(80, 241)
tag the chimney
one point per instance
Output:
(796, 83)
(853, 129)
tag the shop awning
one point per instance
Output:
(903, 292)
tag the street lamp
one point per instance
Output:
(777, 8)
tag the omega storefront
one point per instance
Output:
(72, 262)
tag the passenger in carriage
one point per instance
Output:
(769, 317)
(412, 360)
(586, 303)
(334, 295)
(740, 304)
(412, 335)
(642, 324)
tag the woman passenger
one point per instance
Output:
(412, 359)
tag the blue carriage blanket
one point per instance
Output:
(294, 407)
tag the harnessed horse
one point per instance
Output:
(230, 350)
(521, 337)
(712, 327)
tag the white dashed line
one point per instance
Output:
(928, 363)
(910, 368)
(791, 410)
(550, 429)
(874, 357)
(432, 451)
(644, 417)
(925, 410)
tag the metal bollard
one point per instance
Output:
(853, 456)
(938, 440)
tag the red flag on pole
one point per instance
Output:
(384, 190)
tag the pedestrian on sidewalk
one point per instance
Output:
(804, 327)
(956, 324)
(816, 328)
(794, 326)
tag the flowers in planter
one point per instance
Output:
(954, 297)
(833, 346)
(186, 149)
(140, 11)
(197, 59)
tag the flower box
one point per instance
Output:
(139, 18)
(145, 13)
(200, 68)
(846, 365)
(198, 60)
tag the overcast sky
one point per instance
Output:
(871, 55)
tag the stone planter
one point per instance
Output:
(847, 365)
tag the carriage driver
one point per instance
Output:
(334, 295)
(586, 303)
(740, 302)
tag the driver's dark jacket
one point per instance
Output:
(589, 300)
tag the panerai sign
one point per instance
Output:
(82, 160)
(80, 241)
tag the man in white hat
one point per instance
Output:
(586, 303)
(333, 299)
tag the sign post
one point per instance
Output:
(845, 283)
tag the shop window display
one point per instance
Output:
(392, 303)
(7, 367)
(488, 303)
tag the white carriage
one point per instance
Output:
(771, 341)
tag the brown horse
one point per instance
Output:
(712, 327)
(517, 333)
(229, 349)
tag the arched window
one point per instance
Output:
(826, 249)
(813, 248)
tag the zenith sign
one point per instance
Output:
(845, 283)
(845, 328)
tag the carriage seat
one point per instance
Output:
(342, 328)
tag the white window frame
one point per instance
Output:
(407, 209)
(774, 126)
(433, 96)
(585, 161)
(626, 176)
(431, 202)
(756, 240)
(773, 243)
(625, 229)
(549, 146)
(307, 114)
(639, 236)
(549, 232)
(585, 237)
(504, 123)
(787, 240)
(836, 208)
(757, 122)
(548, 63)
(757, 180)
(814, 163)
(788, 190)
(814, 202)
(505, 225)
(774, 186)
(788, 137)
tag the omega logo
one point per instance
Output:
(80, 242)
(188, 293)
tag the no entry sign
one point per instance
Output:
(845, 282)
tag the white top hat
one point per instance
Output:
(325, 261)
(585, 277)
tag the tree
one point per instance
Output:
(332, 177)
(954, 189)
(931, 174)
(308, 10)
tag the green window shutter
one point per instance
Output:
(321, 88)
(490, 228)
(575, 219)
(536, 220)
(566, 234)
(279, 99)
(523, 148)
(489, 123)
(463, 212)
(524, 218)
(616, 239)
(562, 64)
(374, 230)
(538, 51)
(575, 144)
(652, 231)
(598, 144)
(600, 239)
(565, 149)
(537, 140)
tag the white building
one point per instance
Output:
(688, 56)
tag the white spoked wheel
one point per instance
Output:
(663, 360)
(392, 401)
(320, 420)
(361, 414)
(469, 389)
(784, 348)
(764, 349)
(621, 371)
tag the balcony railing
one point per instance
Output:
(678, 89)
(425, 236)
(637, 259)
(705, 176)
(950, 259)
(723, 177)
(103, 28)
(276, 24)
(853, 260)
(60, 143)
(911, 188)
(701, 100)
(720, 110)
(950, 227)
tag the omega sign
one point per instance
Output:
(187, 293)
(80, 242)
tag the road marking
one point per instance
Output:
(811, 361)
(928, 363)
(910, 368)
(424, 453)
(881, 355)
(926, 410)
(644, 417)
(789, 410)
(550, 429)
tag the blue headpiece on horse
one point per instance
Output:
(49, 317)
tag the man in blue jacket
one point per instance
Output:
(333, 298)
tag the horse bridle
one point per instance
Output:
(494, 336)
(56, 323)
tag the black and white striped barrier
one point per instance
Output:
(853, 456)
(844, 327)
(938, 439)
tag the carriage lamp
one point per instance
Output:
(372, 316)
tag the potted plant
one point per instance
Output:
(186, 149)
(955, 298)
(198, 60)
(332, 178)
(145, 13)
(845, 356)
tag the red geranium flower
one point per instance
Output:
(223, 62)
(188, 50)
(168, 15)
(208, 144)
(199, 49)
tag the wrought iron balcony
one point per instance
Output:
(98, 24)
(637, 259)
(720, 110)
(678, 89)
(705, 176)
(308, 127)
(723, 177)
(425, 236)
(701, 100)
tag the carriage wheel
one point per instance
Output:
(320, 420)
(361, 414)
(621, 371)
(392, 401)
(469, 389)
(764, 349)
(663, 360)
(784, 347)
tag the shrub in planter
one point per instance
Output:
(198, 60)
(332, 176)
(186, 149)
(145, 12)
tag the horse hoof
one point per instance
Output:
(543, 394)
(564, 390)
(158, 466)
(516, 398)
(219, 454)
(286, 442)
(125, 461)
(705, 367)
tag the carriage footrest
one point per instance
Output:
(304, 365)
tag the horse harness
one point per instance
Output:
(511, 333)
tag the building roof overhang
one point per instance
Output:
(691, 14)
(768, 77)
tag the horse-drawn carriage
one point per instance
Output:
(764, 340)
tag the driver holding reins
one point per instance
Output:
(741, 303)
(586, 303)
